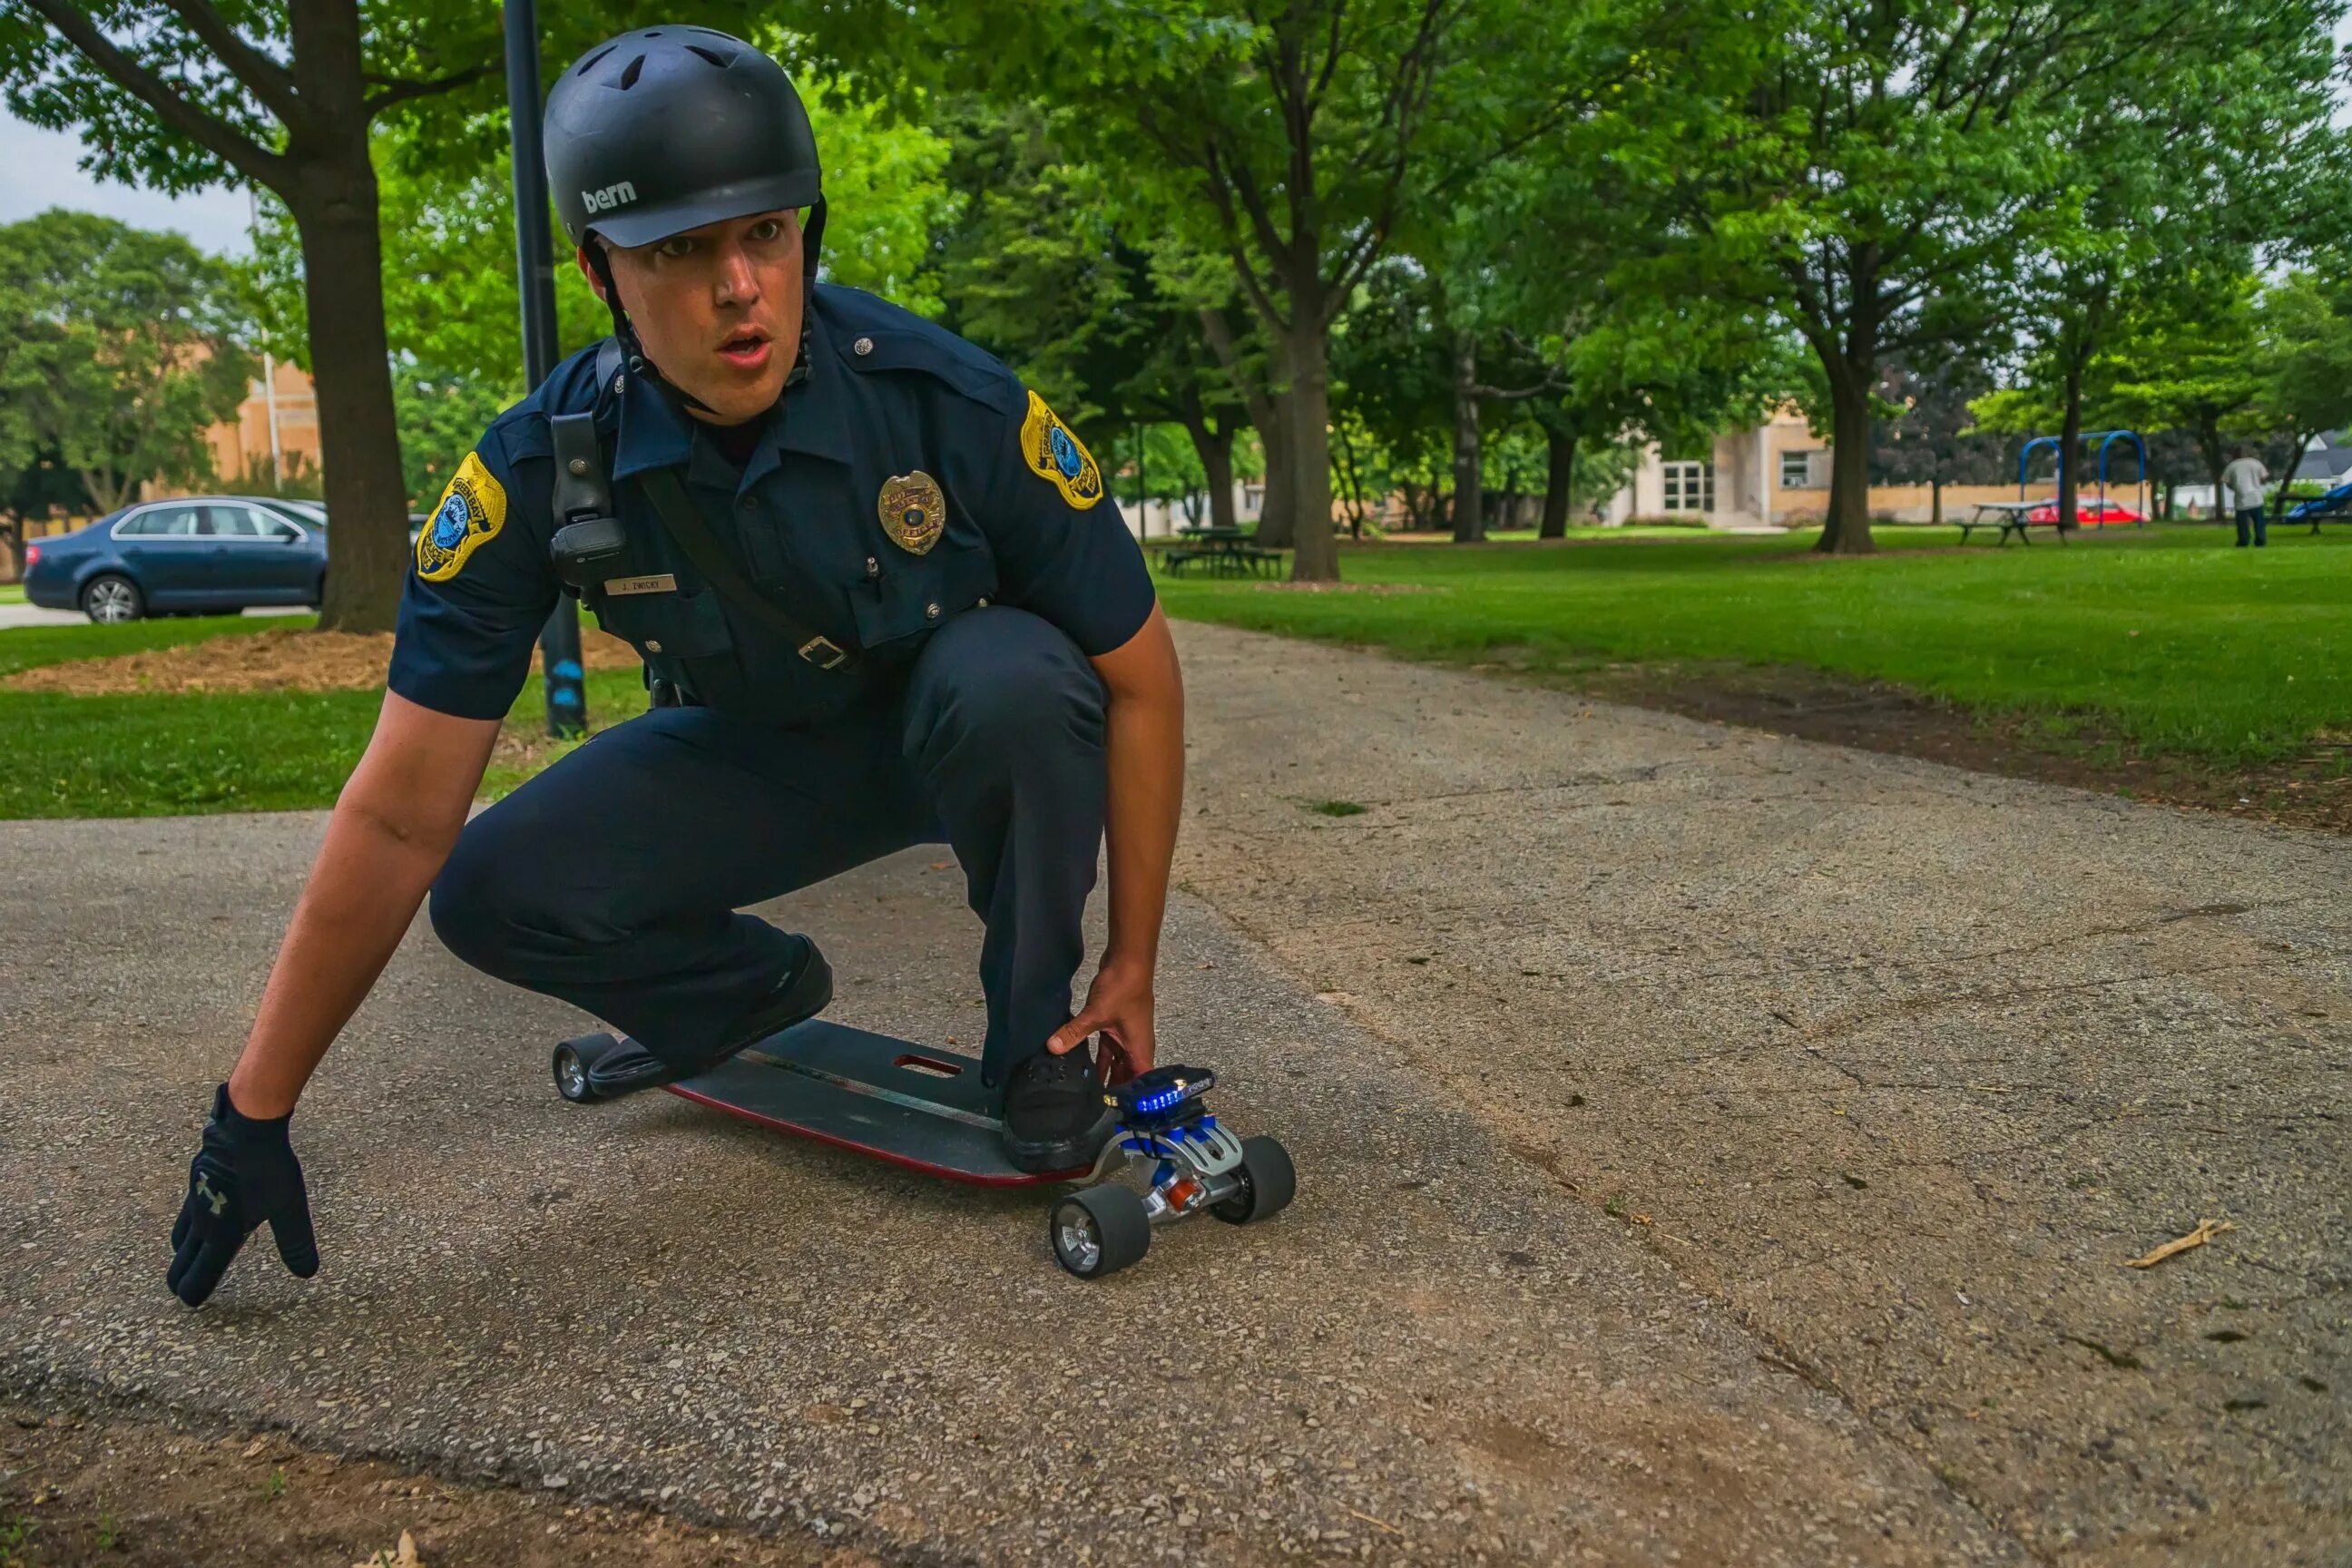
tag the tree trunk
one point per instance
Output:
(1936, 502)
(1315, 553)
(1276, 515)
(1215, 448)
(1560, 481)
(1845, 528)
(2070, 436)
(1266, 416)
(334, 207)
(106, 489)
(1469, 473)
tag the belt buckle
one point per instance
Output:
(824, 653)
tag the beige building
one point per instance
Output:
(1776, 475)
(276, 429)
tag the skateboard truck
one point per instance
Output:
(1197, 1164)
(927, 1109)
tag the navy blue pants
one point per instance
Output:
(614, 878)
(2252, 526)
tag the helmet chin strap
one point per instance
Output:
(634, 353)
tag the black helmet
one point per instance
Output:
(667, 129)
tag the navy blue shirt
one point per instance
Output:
(906, 479)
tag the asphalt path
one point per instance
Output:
(1712, 1149)
(1434, 1356)
(1899, 1064)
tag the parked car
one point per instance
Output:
(194, 554)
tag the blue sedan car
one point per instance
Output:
(196, 554)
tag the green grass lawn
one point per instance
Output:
(2182, 643)
(12, 593)
(146, 756)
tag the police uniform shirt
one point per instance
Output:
(906, 478)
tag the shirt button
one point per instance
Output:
(984, 603)
(747, 503)
(931, 612)
(862, 346)
(652, 646)
(873, 567)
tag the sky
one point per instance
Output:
(37, 173)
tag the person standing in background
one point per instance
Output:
(2245, 477)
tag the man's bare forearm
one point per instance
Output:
(1146, 763)
(394, 826)
(1145, 760)
(363, 891)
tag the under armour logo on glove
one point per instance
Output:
(245, 1176)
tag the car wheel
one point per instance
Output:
(110, 599)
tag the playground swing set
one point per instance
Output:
(2017, 516)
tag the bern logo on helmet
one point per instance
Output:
(608, 198)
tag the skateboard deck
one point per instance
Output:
(912, 1105)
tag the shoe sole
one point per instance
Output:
(1068, 1154)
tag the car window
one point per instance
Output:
(164, 522)
(231, 523)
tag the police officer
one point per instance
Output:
(882, 599)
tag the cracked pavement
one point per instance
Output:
(1714, 1148)
(1898, 1063)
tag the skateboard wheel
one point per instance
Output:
(1100, 1230)
(1269, 1182)
(574, 1059)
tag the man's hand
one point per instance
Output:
(1118, 1008)
(244, 1175)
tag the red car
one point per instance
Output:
(2089, 512)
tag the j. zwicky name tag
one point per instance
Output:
(661, 583)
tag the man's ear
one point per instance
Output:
(579, 256)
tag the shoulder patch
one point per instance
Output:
(1053, 453)
(472, 511)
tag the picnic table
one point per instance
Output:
(2014, 517)
(1220, 552)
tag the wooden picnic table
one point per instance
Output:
(1220, 552)
(2014, 517)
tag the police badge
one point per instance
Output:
(472, 511)
(914, 511)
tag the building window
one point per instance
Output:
(1797, 471)
(1690, 487)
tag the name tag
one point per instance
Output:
(661, 583)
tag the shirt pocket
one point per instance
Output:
(687, 624)
(921, 594)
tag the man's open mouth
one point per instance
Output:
(746, 349)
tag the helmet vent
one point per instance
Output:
(629, 73)
(590, 60)
(713, 56)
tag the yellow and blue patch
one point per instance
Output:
(472, 511)
(1053, 453)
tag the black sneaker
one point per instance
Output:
(1054, 1116)
(627, 1066)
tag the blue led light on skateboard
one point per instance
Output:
(1158, 1097)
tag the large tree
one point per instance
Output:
(127, 346)
(1877, 171)
(1291, 139)
(2225, 140)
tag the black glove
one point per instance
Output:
(244, 1173)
